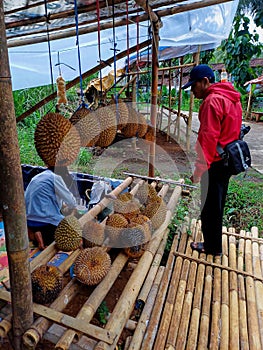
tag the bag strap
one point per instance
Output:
(221, 152)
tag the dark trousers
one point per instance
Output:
(214, 186)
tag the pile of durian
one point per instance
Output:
(134, 219)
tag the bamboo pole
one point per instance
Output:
(216, 306)
(126, 301)
(187, 307)
(122, 22)
(258, 284)
(147, 310)
(156, 24)
(93, 212)
(35, 333)
(233, 296)
(153, 271)
(253, 326)
(162, 332)
(156, 312)
(224, 340)
(95, 299)
(205, 313)
(12, 205)
(76, 80)
(197, 300)
(243, 331)
(178, 120)
(180, 315)
(5, 324)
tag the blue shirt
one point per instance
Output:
(44, 197)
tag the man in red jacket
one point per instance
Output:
(220, 117)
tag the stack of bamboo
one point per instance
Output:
(205, 302)
(54, 324)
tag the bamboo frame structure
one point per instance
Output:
(12, 201)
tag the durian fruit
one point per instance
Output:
(135, 252)
(142, 125)
(156, 210)
(113, 226)
(57, 141)
(46, 284)
(68, 234)
(121, 112)
(92, 234)
(127, 205)
(146, 193)
(108, 126)
(133, 235)
(88, 126)
(92, 265)
(131, 127)
(146, 223)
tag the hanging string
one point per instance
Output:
(79, 60)
(137, 53)
(49, 47)
(114, 53)
(128, 36)
(99, 48)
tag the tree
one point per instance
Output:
(255, 7)
(238, 50)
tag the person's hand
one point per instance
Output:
(195, 179)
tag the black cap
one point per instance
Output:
(199, 72)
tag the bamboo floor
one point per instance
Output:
(207, 302)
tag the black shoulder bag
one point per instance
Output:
(236, 154)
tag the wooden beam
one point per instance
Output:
(122, 22)
(12, 202)
(76, 80)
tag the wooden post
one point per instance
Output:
(190, 118)
(248, 112)
(154, 95)
(178, 120)
(12, 203)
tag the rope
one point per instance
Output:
(99, 48)
(79, 60)
(49, 48)
(128, 36)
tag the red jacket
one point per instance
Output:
(220, 117)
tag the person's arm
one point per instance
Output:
(64, 193)
(210, 128)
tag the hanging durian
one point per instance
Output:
(142, 125)
(46, 284)
(131, 127)
(68, 234)
(108, 126)
(57, 141)
(121, 112)
(88, 126)
(92, 265)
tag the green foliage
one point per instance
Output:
(244, 205)
(239, 48)
(103, 312)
